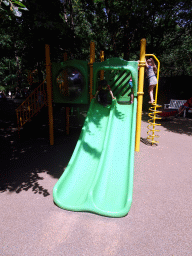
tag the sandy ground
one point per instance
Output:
(160, 218)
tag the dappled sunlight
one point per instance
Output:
(26, 157)
(23, 181)
(91, 150)
(100, 113)
(177, 125)
(119, 114)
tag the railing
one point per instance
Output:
(153, 110)
(174, 104)
(32, 105)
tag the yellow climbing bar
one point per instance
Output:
(153, 109)
(158, 68)
(140, 93)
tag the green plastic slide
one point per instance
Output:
(99, 176)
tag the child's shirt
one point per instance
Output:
(150, 72)
(131, 83)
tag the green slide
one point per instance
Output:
(99, 176)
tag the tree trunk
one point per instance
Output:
(127, 41)
(40, 74)
(19, 73)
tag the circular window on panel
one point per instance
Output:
(70, 82)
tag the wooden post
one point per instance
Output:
(67, 120)
(49, 93)
(101, 59)
(92, 60)
(67, 110)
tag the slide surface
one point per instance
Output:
(99, 176)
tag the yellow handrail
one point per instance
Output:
(153, 109)
(31, 105)
(158, 69)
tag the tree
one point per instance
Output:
(14, 6)
(116, 27)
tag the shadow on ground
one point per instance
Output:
(23, 159)
(178, 125)
(26, 156)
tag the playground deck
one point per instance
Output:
(159, 221)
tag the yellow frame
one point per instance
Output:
(140, 94)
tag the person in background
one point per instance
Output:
(186, 106)
(132, 92)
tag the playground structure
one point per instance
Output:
(99, 176)
(32, 105)
(101, 167)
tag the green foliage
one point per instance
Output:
(10, 7)
(116, 27)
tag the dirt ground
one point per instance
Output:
(159, 221)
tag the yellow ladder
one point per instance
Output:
(153, 110)
(32, 105)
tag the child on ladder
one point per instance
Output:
(151, 70)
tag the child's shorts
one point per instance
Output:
(152, 80)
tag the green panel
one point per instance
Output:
(118, 72)
(121, 81)
(99, 176)
(82, 67)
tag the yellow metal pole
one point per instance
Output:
(101, 59)
(140, 93)
(49, 93)
(66, 91)
(66, 94)
(92, 60)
